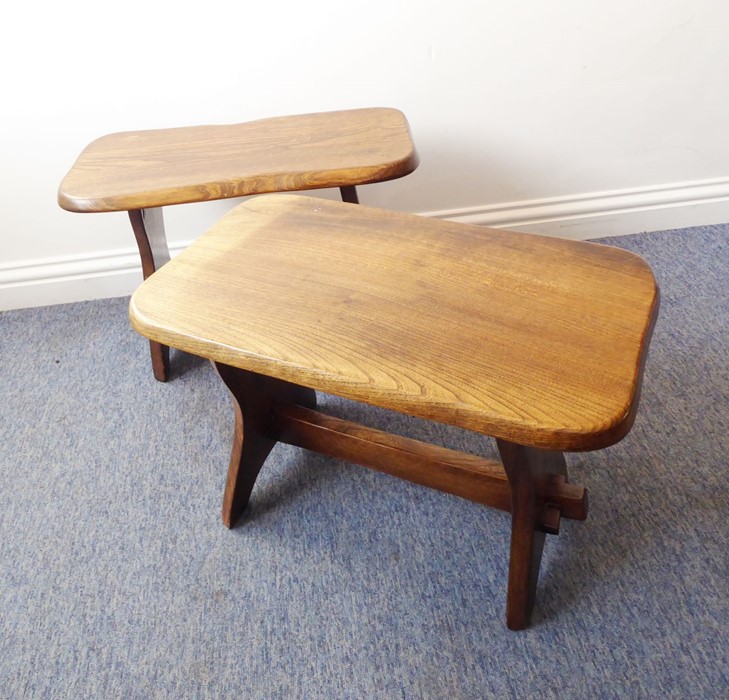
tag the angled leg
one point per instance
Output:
(255, 435)
(349, 194)
(149, 230)
(530, 472)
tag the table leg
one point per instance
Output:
(149, 230)
(349, 194)
(255, 434)
(530, 471)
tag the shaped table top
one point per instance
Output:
(536, 340)
(145, 169)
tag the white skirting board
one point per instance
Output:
(613, 213)
(42, 282)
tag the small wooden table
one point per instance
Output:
(142, 171)
(538, 342)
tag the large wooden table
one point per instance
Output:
(538, 342)
(142, 171)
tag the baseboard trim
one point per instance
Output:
(609, 213)
(59, 280)
(66, 279)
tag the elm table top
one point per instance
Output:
(155, 168)
(535, 340)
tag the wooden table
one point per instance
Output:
(538, 342)
(142, 171)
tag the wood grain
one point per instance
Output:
(144, 169)
(535, 340)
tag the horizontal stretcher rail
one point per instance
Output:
(468, 476)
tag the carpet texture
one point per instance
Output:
(118, 580)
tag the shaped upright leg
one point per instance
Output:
(349, 194)
(255, 434)
(530, 472)
(149, 230)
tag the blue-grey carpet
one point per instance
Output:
(118, 580)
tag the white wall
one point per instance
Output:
(574, 117)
